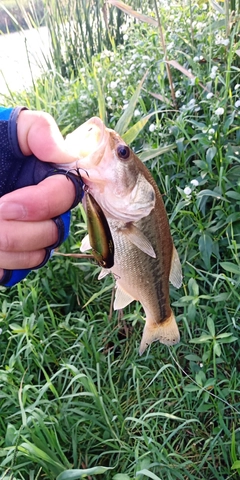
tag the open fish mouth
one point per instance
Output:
(88, 143)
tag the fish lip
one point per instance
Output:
(95, 155)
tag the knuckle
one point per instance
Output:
(33, 259)
(6, 242)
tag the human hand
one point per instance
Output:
(27, 232)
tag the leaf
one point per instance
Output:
(129, 11)
(217, 349)
(231, 267)
(235, 465)
(234, 173)
(76, 473)
(155, 152)
(193, 287)
(158, 96)
(179, 67)
(205, 244)
(217, 7)
(229, 339)
(133, 132)
(211, 326)
(211, 193)
(121, 476)
(221, 297)
(191, 388)
(233, 194)
(210, 154)
(98, 294)
(148, 474)
(100, 97)
(193, 357)
(125, 119)
(202, 339)
(30, 449)
(229, 122)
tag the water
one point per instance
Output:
(14, 59)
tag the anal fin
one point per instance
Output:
(175, 276)
(122, 299)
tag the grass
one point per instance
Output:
(76, 399)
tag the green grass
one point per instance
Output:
(74, 393)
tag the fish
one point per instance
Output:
(145, 258)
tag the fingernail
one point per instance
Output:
(12, 211)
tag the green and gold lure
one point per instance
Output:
(100, 237)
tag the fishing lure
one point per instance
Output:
(100, 237)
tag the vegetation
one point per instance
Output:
(76, 400)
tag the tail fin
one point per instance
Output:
(166, 332)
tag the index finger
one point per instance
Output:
(50, 198)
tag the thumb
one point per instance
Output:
(39, 134)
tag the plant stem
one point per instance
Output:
(165, 55)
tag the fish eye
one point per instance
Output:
(123, 152)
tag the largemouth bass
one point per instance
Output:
(145, 259)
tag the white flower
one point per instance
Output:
(211, 131)
(225, 41)
(192, 102)
(152, 127)
(237, 86)
(219, 111)
(125, 37)
(125, 106)
(222, 41)
(194, 182)
(187, 190)
(213, 72)
(178, 93)
(196, 59)
(109, 99)
(113, 85)
(137, 113)
(209, 95)
(237, 103)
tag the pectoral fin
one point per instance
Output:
(122, 299)
(85, 244)
(175, 276)
(139, 239)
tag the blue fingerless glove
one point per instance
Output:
(19, 171)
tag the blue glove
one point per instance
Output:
(19, 171)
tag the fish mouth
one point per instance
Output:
(88, 142)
